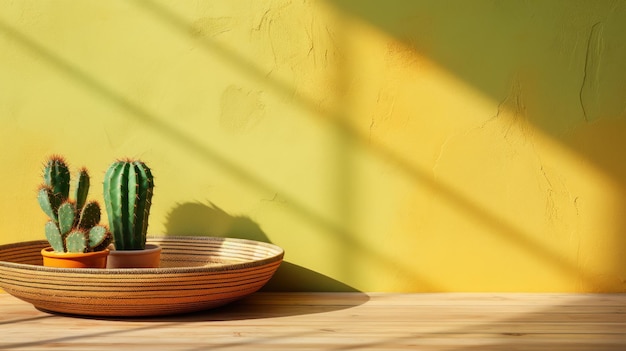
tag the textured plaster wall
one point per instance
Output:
(386, 146)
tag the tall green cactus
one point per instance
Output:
(128, 188)
(69, 220)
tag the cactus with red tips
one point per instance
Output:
(70, 219)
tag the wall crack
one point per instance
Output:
(591, 57)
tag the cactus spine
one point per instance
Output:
(128, 188)
(70, 220)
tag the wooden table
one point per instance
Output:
(340, 321)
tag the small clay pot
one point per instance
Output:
(150, 257)
(97, 259)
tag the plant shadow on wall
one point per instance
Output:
(198, 219)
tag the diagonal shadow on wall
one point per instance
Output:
(388, 20)
(570, 54)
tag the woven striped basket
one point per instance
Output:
(196, 273)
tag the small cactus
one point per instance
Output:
(72, 222)
(128, 188)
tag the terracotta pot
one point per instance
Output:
(150, 257)
(96, 259)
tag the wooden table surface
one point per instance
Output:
(340, 321)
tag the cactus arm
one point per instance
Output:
(99, 237)
(54, 236)
(76, 241)
(90, 215)
(57, 176)
(48, 202)
(82, 189)
(67, 215)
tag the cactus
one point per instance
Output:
(128, 188)
(72, 222)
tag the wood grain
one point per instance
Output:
(340, 321)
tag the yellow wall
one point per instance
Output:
(386, 146)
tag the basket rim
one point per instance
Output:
(276, 255)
